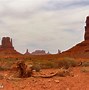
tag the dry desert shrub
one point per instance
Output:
(64, 72)
(36, 67)
(21, 70)
(44, 64)
(67, 62)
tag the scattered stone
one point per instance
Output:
(44, 87)
(63, 72)
(57, 81)
(49, 80)
(1, 86)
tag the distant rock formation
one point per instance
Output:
(48, 53)
(27, 52)
(39, 52)
(59, 51)
(36, 52)
(86, 37)
(6, 43)
(81, 50)
(6, 48)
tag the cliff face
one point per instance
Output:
(81, 50)
(6, 48)
(6, 43)
(86, 37)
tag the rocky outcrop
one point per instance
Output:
(81, 50)
(39, 52)
(48, 53)
(36, 52)
(27, 52)
(86, 37)
(6, 43)
(59, 52)
(7, 49)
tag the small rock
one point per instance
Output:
(57, 81)
(44, 87)
(34, 81)
(1, 86)
(49, 80)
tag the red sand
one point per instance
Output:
(80, 81)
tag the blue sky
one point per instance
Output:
(43, 24)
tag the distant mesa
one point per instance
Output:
(39, 52)
(6, 43)
(36, 52)
(6, 47)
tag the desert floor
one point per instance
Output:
(80, 81)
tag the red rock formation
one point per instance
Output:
(6, 48)
(86, 37)
(48, 53)
(27, 52)
(39, 52)
(6, 43)
(59, 51)
(81, 50)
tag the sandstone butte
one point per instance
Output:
(40, 52)
(7, 49)
(36, 52)
(82, 49)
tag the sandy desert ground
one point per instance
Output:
(80, 81)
